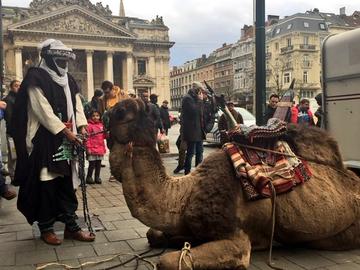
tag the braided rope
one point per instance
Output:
(186, 257)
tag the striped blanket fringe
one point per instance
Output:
(288, 172)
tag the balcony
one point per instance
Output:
(307, 47)
(306, 64)
(287, 49)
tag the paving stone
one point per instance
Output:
(7, 258)
(66, 253)
(126, 224)
(112, 248)
(259, 260)
(121, 235)
(17, 267)
(339, 257)
(36, 257)
(110, 217)
(109, 226)
(345, 266)
(308, 259)
(15, 227)
(7, 237)
(142, 231)
(139, 244)
(24, 235)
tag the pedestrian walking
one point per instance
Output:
(271, 107)
(165, 116)
(301, 114)
(193, 125)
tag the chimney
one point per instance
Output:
(342, 11)
(272, 19)
(203, 56)
(224, 45)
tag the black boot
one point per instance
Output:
(90, 180)
(178, 169)
(98, 180)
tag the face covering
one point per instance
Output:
(61, 65)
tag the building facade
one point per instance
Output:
(242, 55)
(131, 52)
(223, 71)
(293, 50)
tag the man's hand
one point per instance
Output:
(83, 131)
(71, 136)
(2, 105)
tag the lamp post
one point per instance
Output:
(260, 59)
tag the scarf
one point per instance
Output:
(63, 81)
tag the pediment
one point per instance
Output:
(143, 80)
(72, 20)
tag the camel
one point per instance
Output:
(208, 207)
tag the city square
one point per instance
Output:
(133, 140)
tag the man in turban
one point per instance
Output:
(48, 114)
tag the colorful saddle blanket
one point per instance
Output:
(274, 128)
(287, 171)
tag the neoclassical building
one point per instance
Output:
(133, 53)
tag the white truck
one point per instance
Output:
(341, 93)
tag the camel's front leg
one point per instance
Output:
(231, 253)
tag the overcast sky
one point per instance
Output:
(200, 26)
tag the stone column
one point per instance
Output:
(124, 73)
(130, 70)
(90, 74)
(18, 64)
(152, 68)
(109, 66)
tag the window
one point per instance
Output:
(306, 40)
(278, 31)
(141, 67)
(305, 77)
(322, 26)
(287, 77)
(306, 61)
(289, 26)
(276, 46)
(288, 42)
(306, 24)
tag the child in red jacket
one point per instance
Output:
(95, 146)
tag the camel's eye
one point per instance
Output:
(120, 114)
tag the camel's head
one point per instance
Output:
(129, 122)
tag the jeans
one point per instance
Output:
(191, 147)
(2, 181)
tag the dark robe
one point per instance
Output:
(45, 144)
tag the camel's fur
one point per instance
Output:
(208, 205)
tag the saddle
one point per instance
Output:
(259, 155)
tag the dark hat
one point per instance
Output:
(153, 95)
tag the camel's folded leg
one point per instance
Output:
(231, 253)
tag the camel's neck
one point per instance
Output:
(152, 196)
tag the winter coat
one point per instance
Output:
(165, 117)
(9, 111)
(223, 123)
(95, 143)
(192, 118)
(269, 113)
(153, 111)
(301, 117)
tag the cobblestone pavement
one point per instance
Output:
(123, 234)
